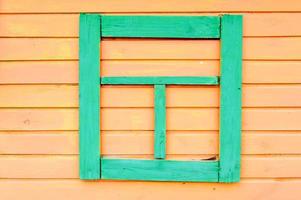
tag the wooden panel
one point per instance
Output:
(133, 96)
(39, 142)
(230, 98)
(35, 25)
(260, 179)
(75, 6)
(89, 96)
(160, 121)
(33, 119)
(153, 80)
(67, 166)
(78, 190)
(160, 27)
(285, 48)
(30, 72)
(142, 119)
(141, 142)
(63, 25)
(39, 95)
(159, 170)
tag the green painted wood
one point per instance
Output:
(159, 170)
(89, 101)
(161, 26)
(225, 170)
(159, 80)
(230, 98)
(160, 121)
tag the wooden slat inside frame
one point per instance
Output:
(160, 26)
(158, 80)
(159, 170)
(160, 121)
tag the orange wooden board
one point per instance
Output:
(75, 6)
(114, 190)
(141, 142)
(39, 100)
(58, 166)
(63, 25)
(142, 119)
(136, 96)
(285, 48)
(66, 72)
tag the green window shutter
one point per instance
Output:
(228, 28)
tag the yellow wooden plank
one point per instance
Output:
(284, 48)
(142, 119)
(78, 190)
(34, 72)
(66, 25)
(50, 6)
(142, 96)
(140, 142)
(67, 166)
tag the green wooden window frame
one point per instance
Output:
(227, 28)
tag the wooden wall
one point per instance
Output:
(39, 100)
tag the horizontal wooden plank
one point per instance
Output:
(284, 48)
(142, 119)
(142, 96)
(141, 142)
(30, 72)
(67, 166)
(66, 25)
(159, 170)
(14, 6)
(78, 190)
(152, 80)
(160, 27)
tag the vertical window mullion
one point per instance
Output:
(160, 121)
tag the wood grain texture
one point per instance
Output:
(141, 142)
(142, 119)
(66, 72)
(69, 6)
(154, 80)
(160, 27)
(230, 98)
(61, 167)
(159, 170)
(89, 96)
(66, 25)
(160, 121)
(65, 96)
(77, 190)
(284, 48)
(274, 60)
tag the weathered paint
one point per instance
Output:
(89, 100)
(228, 169)
(160, 121)
(39, 100)
(159, 170)
(230, 98)
(155, 80)
(160, 26)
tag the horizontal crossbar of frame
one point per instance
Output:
(159, 170)
(167, 80)
(160, 26)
